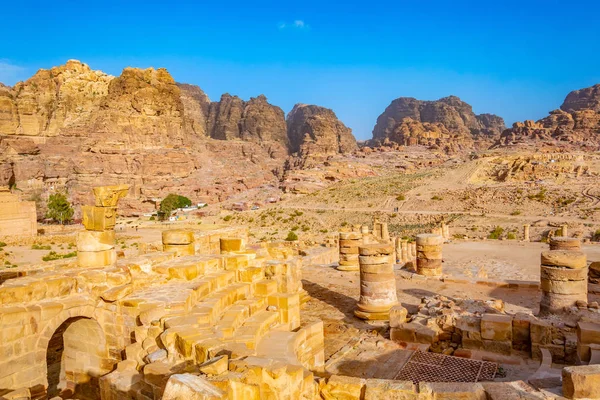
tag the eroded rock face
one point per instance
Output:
(52, 100)
(575, 125)
(583, 99)
(317, 130)
(447, 123)
(256, 121)
(70, 128)
(195, 105)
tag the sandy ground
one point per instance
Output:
(500, 260)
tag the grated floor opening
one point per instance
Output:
(433, 367)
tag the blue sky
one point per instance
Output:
(517, 59)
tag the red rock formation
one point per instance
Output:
(317, 130)
(576, 125)
(448, 123)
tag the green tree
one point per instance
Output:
(173, 202)
(59, 208)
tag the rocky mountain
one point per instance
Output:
(448, 124)
(575, 125)
(313, 129)
(70, 128)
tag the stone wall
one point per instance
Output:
(17, 218)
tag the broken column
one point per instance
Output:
(349, 242)
(364, 230)
(564, 277)
(564, 231)
(377, 282)
(412, 251)
(179, 241)
(565, 243)
(96, 245)
(526, 233)
(445, 231)
(385, 233)
(429, 254)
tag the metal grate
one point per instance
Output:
(433, 367)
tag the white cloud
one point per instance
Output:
(297, 24)
(11, 73)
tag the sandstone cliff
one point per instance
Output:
(448, 123)
(70, 128)
(575, 125)
(317, 130)
(253, 121)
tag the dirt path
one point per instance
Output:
(532, 218)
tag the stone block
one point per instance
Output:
(588, 332)
(520, 329)
(180, 250)
(99, 218)
(95, 241)
(496, 327)
(104, 258)
(177, 236)
(378, 389)
(564, 258)
(497, 346)
(452, 391)
(231, 244)
(343, 387)
(397, 316)
(581, 382)
(511, 390)
(216, 366)
(191, 387)
(541, 331)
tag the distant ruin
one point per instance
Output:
(17, 218)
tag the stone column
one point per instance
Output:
(96, 245)
(445, 231)
(364, 230)
(377, 282)
(429, 254)
(564, 231)
(412, 251)
(349, 242)
(179, 241)
(405, 255)
(526, 233)
(398, 249)
(565, 243)
(564, 276)
(385, 233)
(377, 229)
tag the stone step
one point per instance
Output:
(256, 327)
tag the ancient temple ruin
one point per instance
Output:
(206, 315)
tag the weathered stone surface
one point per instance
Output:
(575, 125)
(191, 387)
(314, 130)
(564, 258)
(448, 124)
(581, 382)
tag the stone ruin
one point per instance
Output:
(206, 316)
(17, 218)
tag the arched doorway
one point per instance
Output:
(76, 357)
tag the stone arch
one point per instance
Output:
(76, 353)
